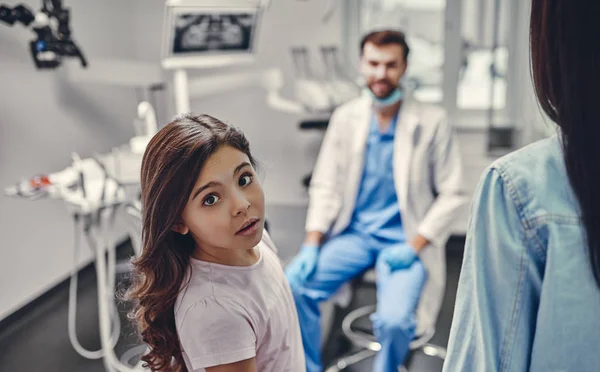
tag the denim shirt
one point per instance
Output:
(527, 299)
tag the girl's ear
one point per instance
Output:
(181, 228)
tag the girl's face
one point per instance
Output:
(226, 208)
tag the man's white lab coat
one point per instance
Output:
(428, 177)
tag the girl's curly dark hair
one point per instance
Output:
(170, 167)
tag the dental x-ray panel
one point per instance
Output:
(210, 33)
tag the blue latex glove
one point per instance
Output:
(304, 264)
(399, 256)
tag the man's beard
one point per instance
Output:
(390, 89)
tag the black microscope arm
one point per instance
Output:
(50, 44)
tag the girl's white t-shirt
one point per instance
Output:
(228, 314)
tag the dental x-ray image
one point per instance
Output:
(213, 32)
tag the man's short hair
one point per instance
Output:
(386, 37)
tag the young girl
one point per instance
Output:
(209, 289)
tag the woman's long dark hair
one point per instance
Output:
(170, 167)
(565, 61)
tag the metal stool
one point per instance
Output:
(368, 344)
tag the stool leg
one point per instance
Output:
(428, 349)
(435, 351)
(350, 360)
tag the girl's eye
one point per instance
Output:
(211, 199)
(245, 180)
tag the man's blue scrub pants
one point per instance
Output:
(341, 259)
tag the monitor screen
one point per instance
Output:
(197, 34)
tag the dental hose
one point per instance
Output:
(72, 312)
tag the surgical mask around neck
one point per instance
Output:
(396, 96)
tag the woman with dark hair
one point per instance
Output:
(209, 291)
(529, 292)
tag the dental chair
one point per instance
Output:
(357, 329)
(321, 94)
